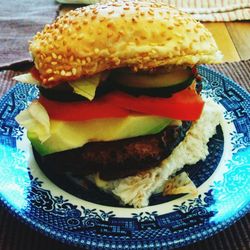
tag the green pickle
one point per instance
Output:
(152, 80)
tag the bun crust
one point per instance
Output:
(139, 35)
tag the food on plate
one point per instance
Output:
(120, 98)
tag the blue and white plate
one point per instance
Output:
(66, 211)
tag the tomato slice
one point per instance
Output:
(35, 73)
(183, 105)
(80, 111)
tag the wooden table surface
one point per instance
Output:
(233, 39)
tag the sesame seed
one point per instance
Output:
(78, 28)
(121, 32)
(48, 59)
(51, 79)
(135, 69)
(54, 55)
(110, 25)
(69, 73)
(196, 30)
(49, 71)
(74, 71)
(134, 20)
(117, 62)
(116, 5)
(54, 63)
(151, 12)
(63, 73)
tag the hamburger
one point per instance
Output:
(120, 98)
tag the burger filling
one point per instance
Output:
(116, 123)
(120, 158)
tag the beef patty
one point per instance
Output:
(117, 159)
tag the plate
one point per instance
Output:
(93, 220)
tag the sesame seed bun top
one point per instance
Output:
(139, 35)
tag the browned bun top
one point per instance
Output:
(135, 34)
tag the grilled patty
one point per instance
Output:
(117, 159)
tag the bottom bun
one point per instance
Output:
(136, 190)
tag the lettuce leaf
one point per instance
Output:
(86, 86)
(26, 78)
(36, 120)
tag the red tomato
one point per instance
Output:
(80, 111)
(35, 73)
(183, 105)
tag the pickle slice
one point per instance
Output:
(62, 92)
(151, 80)
(157, 92)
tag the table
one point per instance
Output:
(233, 39)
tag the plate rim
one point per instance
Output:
(38, 226)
